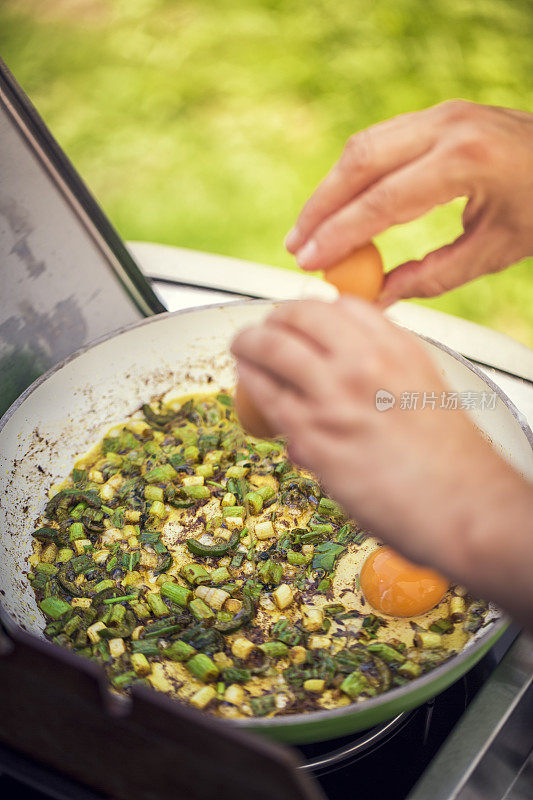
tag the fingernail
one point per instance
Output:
(291, 239)
(307, 253)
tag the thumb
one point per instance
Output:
(441, 270)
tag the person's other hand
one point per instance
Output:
(422, 480)
(397, 170)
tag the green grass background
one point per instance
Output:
(206, 123)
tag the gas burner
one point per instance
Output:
(324, 757)
(386, 761)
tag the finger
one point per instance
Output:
(366, 314)
(400, 197)
(441, 270)
(281, 407)
(367, 157)
(329, 325)
(288, 414)
(285, 355)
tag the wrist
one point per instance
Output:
(487, 538)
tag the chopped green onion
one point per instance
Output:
(79, 475)
(441, 626)
(176, 594)
(119, 517)
(78, 510)
(107, 583)
(54, 607)
(200, 610)
(333, 609)
(152, 493)
(191, 453)
(160, 633)
(141, 610)
(321, 529)
(282, 468)
(213, 523)
(145, 646)
(386, 652)
(212, 550)
(326, 554)
(197, 492)
(255, 502)
(329, 508)
(237, 560)
(296, 559)
(76, 531)
(234, 511)
(203, 668)
(111, 564)
(64, 555)
(284, 632)
(46, 568)
(236, 472)
(346, 534)
(195, 574)
(324, 586)
(235, 675)
(356, 683)
(163, 474)
(178, 651)
(157, 604)
(410, 669)
(72, 625)
(157, 509)
(122, 599)
(204, 470)
(220, 575)
(274, 649)
(262, 705)
(265, 448)
(119, 681)
(149, 537)
(371, 623)
(131, 560)
(266, 492)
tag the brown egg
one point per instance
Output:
(250, 417)
(360, 274)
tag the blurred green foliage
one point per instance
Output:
(206, 123)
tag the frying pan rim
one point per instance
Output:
(4, 419)
(494, 627)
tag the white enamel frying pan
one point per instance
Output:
(71, 407)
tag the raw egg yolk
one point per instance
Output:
(249, 415)
(360, 274)
(395, 586)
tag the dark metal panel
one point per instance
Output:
(489, 748)
(56, 708)
(65, 275)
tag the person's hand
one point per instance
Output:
(397, 170)
(425, 480)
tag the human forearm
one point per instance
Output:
(491, 548)
(424, 481)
